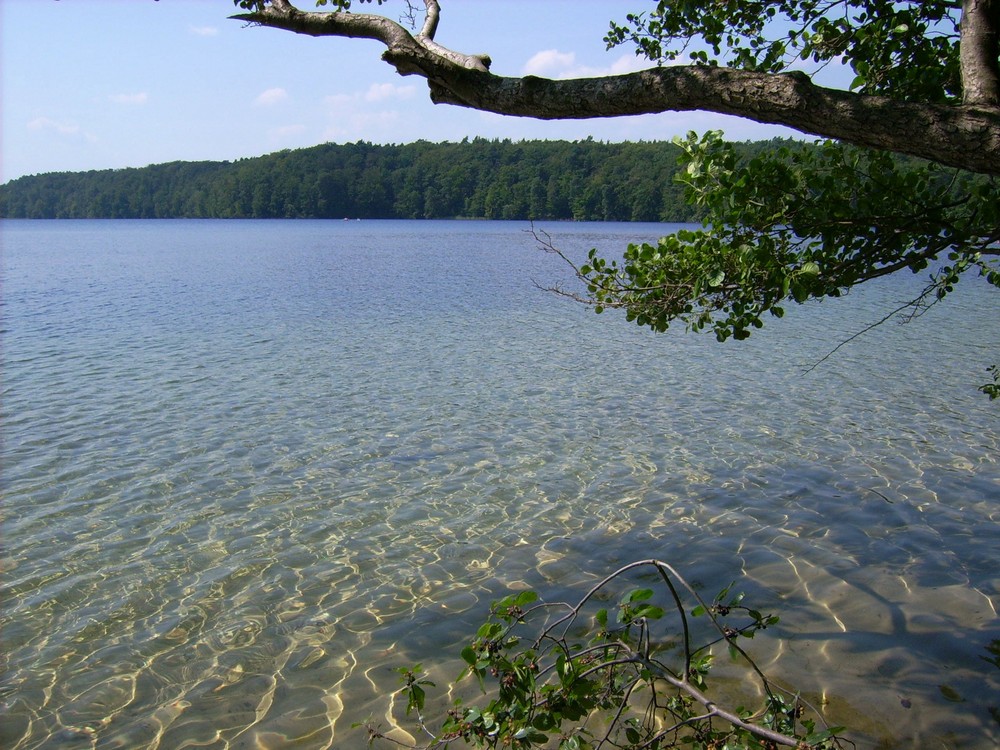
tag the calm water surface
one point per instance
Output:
(251, 467)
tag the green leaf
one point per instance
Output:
(638, 595)
(814, 738)
(649, 612)
(951, 694)
(416, 698)
(544, 720)
(525, 597)
(489, 630)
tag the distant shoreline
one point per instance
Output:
(478, 179)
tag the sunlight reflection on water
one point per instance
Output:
(251, 467)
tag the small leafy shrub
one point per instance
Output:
(587, 675)
(992, 389)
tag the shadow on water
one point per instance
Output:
(250, 468)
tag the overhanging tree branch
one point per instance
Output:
(416, 52)
(962, 135)
(796, 224)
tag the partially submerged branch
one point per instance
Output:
(618, 688)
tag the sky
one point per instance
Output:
(106, 84)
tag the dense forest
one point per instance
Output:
(492, 179)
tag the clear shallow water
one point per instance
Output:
(251, 467)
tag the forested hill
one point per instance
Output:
(582, 180)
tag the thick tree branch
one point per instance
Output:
(431, 19)
(979, 52)
(965, 136)
(960, 136)
(415, 53)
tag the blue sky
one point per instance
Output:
(97, 84)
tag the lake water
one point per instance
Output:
(251, 467)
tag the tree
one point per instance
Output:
(905, 180)
(927, 83)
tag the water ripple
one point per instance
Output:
(251, 468)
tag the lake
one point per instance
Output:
(249, 468)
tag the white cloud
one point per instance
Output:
(270, 97)
(140, 98)
(204, 30)
(378, 92)
(552, 63)
(351, 117)
(542, 63)
(340, 100)
(627, 64)
(44, 123)
(67, 129)
(364, 125)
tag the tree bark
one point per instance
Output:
(979, 54)
(966, 136)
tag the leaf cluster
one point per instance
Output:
(905, 50)
(798, 223)
(992, 389)
(588, 675)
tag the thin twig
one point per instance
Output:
(912, 303)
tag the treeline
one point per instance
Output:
(491, 179)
